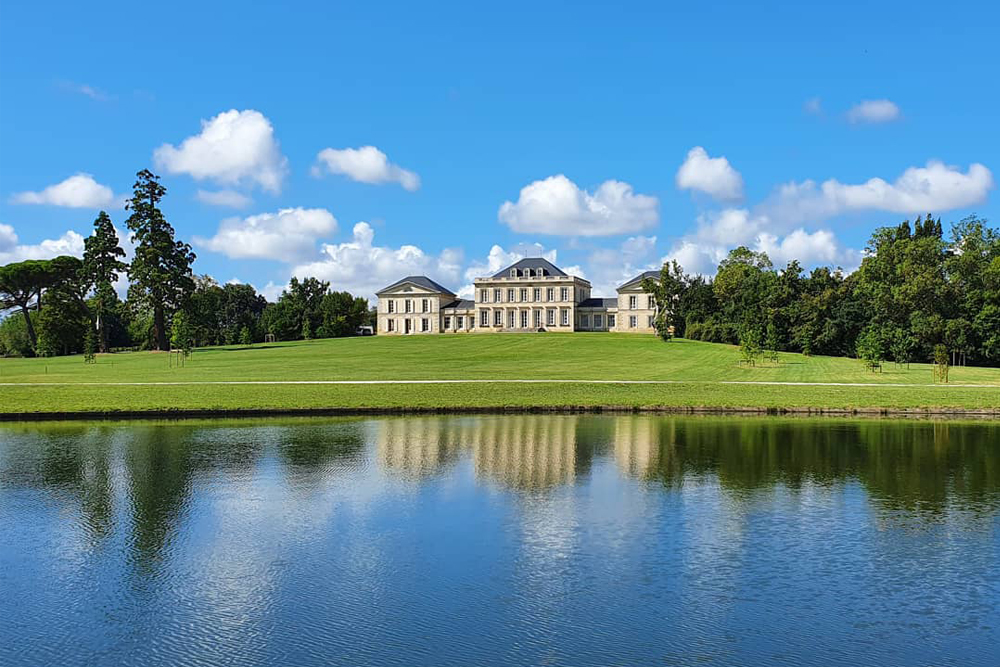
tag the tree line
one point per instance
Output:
(68, 305)
(915, 294)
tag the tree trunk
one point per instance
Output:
(31, 330)
(159, 328)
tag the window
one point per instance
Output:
(633, 302)
(484, 295)
(392, 306)
(409, 306)
(510, 296)
(650, 322)
(524, 319)
(496, 295)
(425, 324)
(585, 321)
(598, 321)
(524, 294)
(538, 319)
(565, 317)
(538, 294)
(549, 294)
(632, 320)
(484, 317)
(498, 318)
(611, 321)
(550, 317)
(564, 294)
(460, 321)
(390, 325)
(406, 325)
(513, 273)
(447, 322)
(425, 306)
(652, 302)
(511, 322)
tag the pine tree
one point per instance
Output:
(101, 265)
(161, 270)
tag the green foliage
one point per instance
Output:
(90, 346)
(101, 266)
(161, 269)
(14, 341)
(181, 337)
(750, 343)
(941, 363)
(871, 347)
(307, 333)
(246, 338)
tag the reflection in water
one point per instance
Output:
(574, 539)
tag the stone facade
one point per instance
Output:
(531, 295)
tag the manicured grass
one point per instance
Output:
(581, 356)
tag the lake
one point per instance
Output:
(501, 540)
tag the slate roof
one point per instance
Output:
(533, 263)
(598, 302)
(461, 304)
(655, 275)
(422, 281)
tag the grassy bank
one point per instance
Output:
(68, 385)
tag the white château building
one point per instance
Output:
(530, 295)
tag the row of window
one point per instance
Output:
(425, 306)
(633, 302)
(524, 318)
(424, 324)
(521, 295)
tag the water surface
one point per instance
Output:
(514, 540)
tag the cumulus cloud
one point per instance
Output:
(873, 111)
(933, 188)
(713, 176)
(77, 191)
(228, 198)
(361, 267)
(70, 243)
(366, 165)
(610, 267)
(556, 206)
(719, 232)
(233, 148)
(288, 235)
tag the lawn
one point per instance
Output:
(696, 368)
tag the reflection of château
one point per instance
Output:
(521, 451)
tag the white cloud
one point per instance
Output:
(83, 89)
(229, 198)
(873, 111)
(363, 268)
(498, 258)
(813, 106)
(288, 235)
(934, 188)
(713, 176)
(366, 165)
(70, 243)
(77, 191)
(610, 267)
(233, 148)
(558, 207)
(718, 233)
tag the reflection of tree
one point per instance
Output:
(72, 461)
(903, 463)
(311, 446)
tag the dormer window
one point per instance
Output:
(513, 273)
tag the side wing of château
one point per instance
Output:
(530, 295)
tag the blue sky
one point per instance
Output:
(613, 137)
